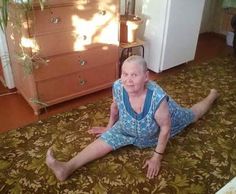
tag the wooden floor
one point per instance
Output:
(15, 112)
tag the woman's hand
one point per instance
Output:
(97, 130)
(154, 165)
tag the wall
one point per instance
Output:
(215, 18)
(207, 17)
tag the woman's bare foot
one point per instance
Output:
(214, 94)
(58, 168)
(203, 106)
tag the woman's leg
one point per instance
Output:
(203, 106)
(92, 152)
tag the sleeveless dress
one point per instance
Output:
(141, 129)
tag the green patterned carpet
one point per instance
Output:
(200, 160)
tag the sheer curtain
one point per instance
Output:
(229, 3)
(6, 67)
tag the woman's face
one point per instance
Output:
(133, 78)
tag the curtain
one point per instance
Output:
(229, 3)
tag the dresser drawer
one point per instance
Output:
(87, 81)
(63, 2)
(61, 43)
(77, 61)
(66, 42)
(77, 18)
(53, 3)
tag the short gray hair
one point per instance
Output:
(138, 60)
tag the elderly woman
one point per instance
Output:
(142, 114)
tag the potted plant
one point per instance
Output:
(28, 60)
(26, 4)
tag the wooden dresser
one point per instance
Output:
(65, 51)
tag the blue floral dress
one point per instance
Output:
(141, 129)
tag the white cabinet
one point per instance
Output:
(170, 31)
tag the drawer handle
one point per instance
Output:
(82, 82)
(102, 12)
(82, 62)
(81, 37)
(55, 20)
(84, 37)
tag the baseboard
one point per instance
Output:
(223, 36)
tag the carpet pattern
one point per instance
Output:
(201, 160)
